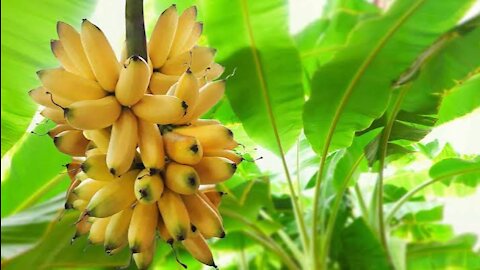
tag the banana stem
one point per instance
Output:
(135, 29)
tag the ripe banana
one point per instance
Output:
(230, 154)
(87, 188)
(160, 109)
(205, 219)
(186, 22)
(187, 90)
(54, 114)
(211, 136)
(79, 205)
(71, 142)
(40, 96)
(174, 214)
(150, 143)
(214, 71)
(163, 232)
(181, 179)
(183, 149)
(69, 86)
(62, 57)
(209, 95)
(73, 168)
(162, 36)
(97, 230)
(148, 186)
(213, 170)
(113, 197)
(205, 122)
(95, 167)
(116, 234)
(59, 129)
(160, 83)
(101, 138)
(198, 60)
(72, 44)
(133, 81)
(141, 232)
(100, 55)
(193, 38)
(198, 247)
(82, 227)
(144, 258)
(123, 143)
(214, 196)
(93, 114)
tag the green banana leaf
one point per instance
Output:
(353, 89)
(266, 90)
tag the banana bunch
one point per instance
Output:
(144, 163)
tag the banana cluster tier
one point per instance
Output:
(144, 163)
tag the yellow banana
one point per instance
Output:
(162, 36)
(214, 71)
(198, 247)
(148, 186)
(116, 234)
(82, 227)
(214, 196)
(87, 188)
(186, 22)
(59, 129)
(79, 205)
(187, 90)
(113, 197)
(211, 136)
(133, 81)
(198, 60)
(160, 83)
(93, 152)
(72, 44)
(54, 114)
(93, 114)
(183, 149)
(181, 179)
(62, 57)
(163, 232)
(40, 95)
(174, 214)
(205, 122)
(208, 96)
(203, 216)
(213, 170)
(150, 143)
(145, 258)
(193, 38)
(71, 142)
(69, 86)
(230, 154)
(123, 143)
(214, 207)
(73, 168)
(101, 138)
(95, 167)
(97, 230)
(100, 55)
(160, 109)
(141, 232)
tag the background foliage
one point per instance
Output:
(376, 81)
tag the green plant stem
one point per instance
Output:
(40, 192)
(299, 218)
(416, 189)
(262, 238)
(325, 248)
(135, 29)
(286, 239)
(361, 202)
